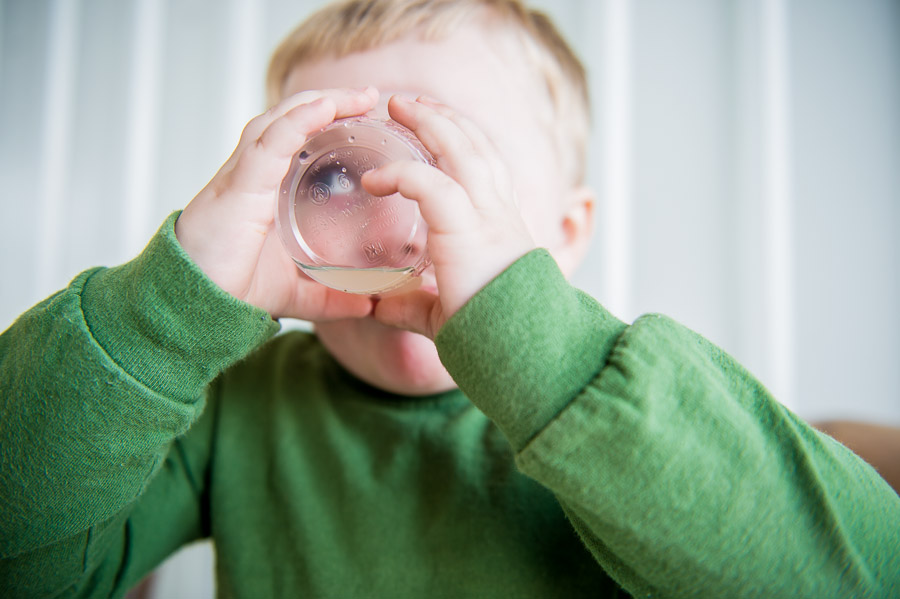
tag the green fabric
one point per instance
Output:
(143, 408)
(540, 325)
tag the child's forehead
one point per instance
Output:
(482, 77)
(471, 58)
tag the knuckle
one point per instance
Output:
(259, 146)
(448, 186)
(291, 102)
(270, 114)
(307, 96)
(219, 186)
(480, 169)
(255, 126)
(247, 162)
(435, 176)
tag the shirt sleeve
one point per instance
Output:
(98, 382)
(680, 472)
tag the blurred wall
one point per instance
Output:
(746, 153)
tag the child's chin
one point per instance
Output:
(390, 359)
(410, 365)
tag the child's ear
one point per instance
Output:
(577, 228)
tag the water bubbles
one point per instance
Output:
(351, 139)
(343, 169)
(304, 155)
(333, 155)
(383, 142)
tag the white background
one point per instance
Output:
(747, 155)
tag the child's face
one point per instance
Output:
(481, 74)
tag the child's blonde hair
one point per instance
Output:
(350, 26)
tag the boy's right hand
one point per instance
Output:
(228, 229)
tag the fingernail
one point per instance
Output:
(423, 99)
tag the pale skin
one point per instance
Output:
(485, 205)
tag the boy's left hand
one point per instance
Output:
(475, 228)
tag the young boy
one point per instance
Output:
(495, 433)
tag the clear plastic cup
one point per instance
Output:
(335, 231)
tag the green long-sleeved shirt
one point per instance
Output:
(143, 408)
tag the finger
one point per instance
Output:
(315, 302)
(417, 311)
(444, 204)
(286, 125)
(482, 143)
(333, 305)
(262, 164)
(285, 134)
(455, 152)
(476, 136)
(346, 101)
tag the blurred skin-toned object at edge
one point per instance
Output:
(879, 445)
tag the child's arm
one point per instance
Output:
(95, 383)
(680, 472)
(98, 381)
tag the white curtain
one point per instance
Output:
(747, 155)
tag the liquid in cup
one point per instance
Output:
(335, 231)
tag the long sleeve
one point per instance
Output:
(680, 472)
(97, 382)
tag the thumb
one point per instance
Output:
(416, 311)
(317, 303)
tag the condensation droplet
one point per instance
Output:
(343, 169)
(383, 141)
(351, 139)
(333, 155)
(304, 155)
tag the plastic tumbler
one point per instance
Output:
(335, 231)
